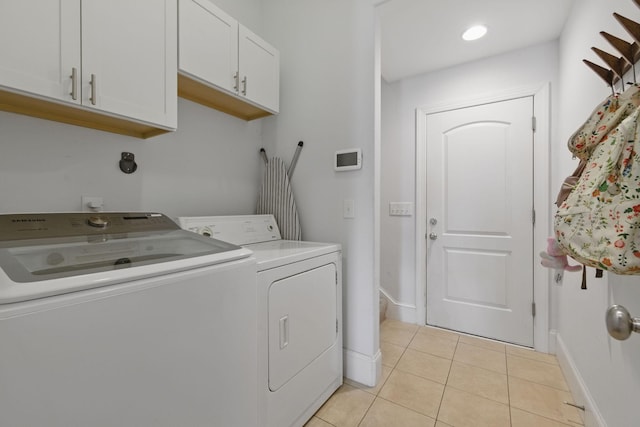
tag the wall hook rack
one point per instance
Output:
(618, 65)
(604, 73)
(632, 27)
(629, 51)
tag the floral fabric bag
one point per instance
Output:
(606, 117)
(599, 222)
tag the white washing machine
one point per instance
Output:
(124, 319)
(299, 315)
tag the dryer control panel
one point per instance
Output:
(237, 229)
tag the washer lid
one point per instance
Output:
(48, 254)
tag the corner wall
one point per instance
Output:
(327, 101)
(606, 371)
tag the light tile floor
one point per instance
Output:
(436, 378)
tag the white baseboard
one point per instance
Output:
(399, 311)
(553, 341)
(362, 369)
(581, 394)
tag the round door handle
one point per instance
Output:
(620, 324)
(433, 236)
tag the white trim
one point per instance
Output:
(397, 310)
(361, 368)
(541, 277)
(375, 370)
(581, 394)
(553, 341)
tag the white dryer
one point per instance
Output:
(299, 315)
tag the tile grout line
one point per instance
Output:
(550, 419)
(368, 409)
(447, 381)
(376, 395)
(506, 362)
(404, 407)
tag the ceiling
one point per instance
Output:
(418, 36)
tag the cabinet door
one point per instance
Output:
(129, 58)
(208, 44)
(259, 69)
(40, 46)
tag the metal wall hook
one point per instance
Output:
(620, 324)
(128, 163)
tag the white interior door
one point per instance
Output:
(479, 213)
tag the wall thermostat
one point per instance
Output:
(347, 160)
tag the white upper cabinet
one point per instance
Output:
(208, 48)
(129, 58)
(108, 65)
(223, 65)
(40, 46)
(258, 70)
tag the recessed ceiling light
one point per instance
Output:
(474, 33)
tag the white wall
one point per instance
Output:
(526, 67)
(211, 165)
(327, 101)
(609, 369)
(248, 12)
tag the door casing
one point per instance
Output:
(542, 337)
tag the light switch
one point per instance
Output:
(349, 210)
(400, 208)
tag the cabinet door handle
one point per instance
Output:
(74, 84)
(236, 81)
(244, 85)
(94, 95)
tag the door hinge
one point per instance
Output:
(336, 326)
(533, 309)
(534, 123)
(533, 216)
(336, 277)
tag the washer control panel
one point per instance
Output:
(50, 225)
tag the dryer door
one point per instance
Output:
(302, 321)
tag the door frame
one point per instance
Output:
(541, 199)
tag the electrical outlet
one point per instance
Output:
(92, 204)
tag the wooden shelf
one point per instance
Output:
(197, 91)
(49, 110)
